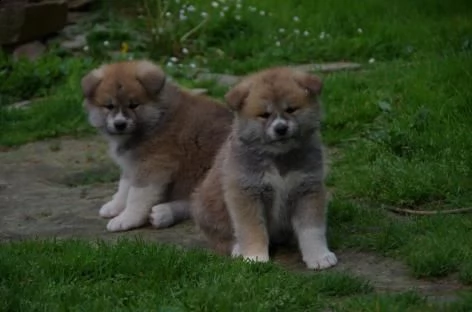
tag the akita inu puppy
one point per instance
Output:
(267, 181)
(163, 138)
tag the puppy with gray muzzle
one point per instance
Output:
(267, 181)
(163, 138)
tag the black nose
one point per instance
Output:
(281, 129)
(120, 125)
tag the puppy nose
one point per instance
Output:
(120, 125)
(281, 129)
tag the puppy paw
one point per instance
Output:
(124, 222)
(161, 216)
(257, 258)
(236, 251)
(326, 260)
(111, 209)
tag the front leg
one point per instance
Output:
(309, 224)
(138, 205)
(247, 217)
(118, 202)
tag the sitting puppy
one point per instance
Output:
(163, 137)
(267, 181)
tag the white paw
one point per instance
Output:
(111, 209)
(236, 252)
(257, 258)
(125, 221)
(326, 260)
(161, 216)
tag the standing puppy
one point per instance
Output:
(163, 138)
(267, 181)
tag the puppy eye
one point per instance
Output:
(290, 110)
(109, 106)
(133, 104)
(264, 115)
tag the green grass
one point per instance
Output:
(132, 275)
(400, 128)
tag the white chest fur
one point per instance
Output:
(281, 186)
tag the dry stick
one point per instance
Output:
(427, 212)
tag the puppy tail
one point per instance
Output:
(168, 214)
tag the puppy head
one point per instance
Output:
(276, 107)
(123, 98)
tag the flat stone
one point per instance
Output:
(328, 67)
(199, 91)
(78, 4)
(77, 43)
(221, 79)
(31, 51)
(21, 104)
(75, 17)
(226, 80)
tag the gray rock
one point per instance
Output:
(199, 91)
(31, 51)
(77, 43)
(328, 67)
(221, 79)
(21, 104)
(226, 80)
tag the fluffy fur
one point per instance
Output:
(267, 181)
(163, 138)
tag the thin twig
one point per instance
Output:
(407, 211)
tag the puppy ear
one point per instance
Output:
(311, 83)
(151, 77)
(235, 96)
(90, 82)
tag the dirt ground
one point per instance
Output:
(49, 189)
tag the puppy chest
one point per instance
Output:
(277, 200)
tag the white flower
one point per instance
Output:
(168, 14)
(169, 64)
(277, 43)
(177, 1)
(237, 17)
(174, 59)
(371, 60)
(225, 8)
(238, 5)
(184, 50)
(192, 65)
(86, 48)
(262, 13)
(296, 31)
(306, 33)
(296, 19)
(106, 43)
(191, 8)
(222, 14)
(204, 14)
(252, 9)
(322, 35)
(281, 30)
(359, 30)
(215, 4)
(183, 17)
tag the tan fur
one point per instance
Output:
(180, 152)
(233, 218)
